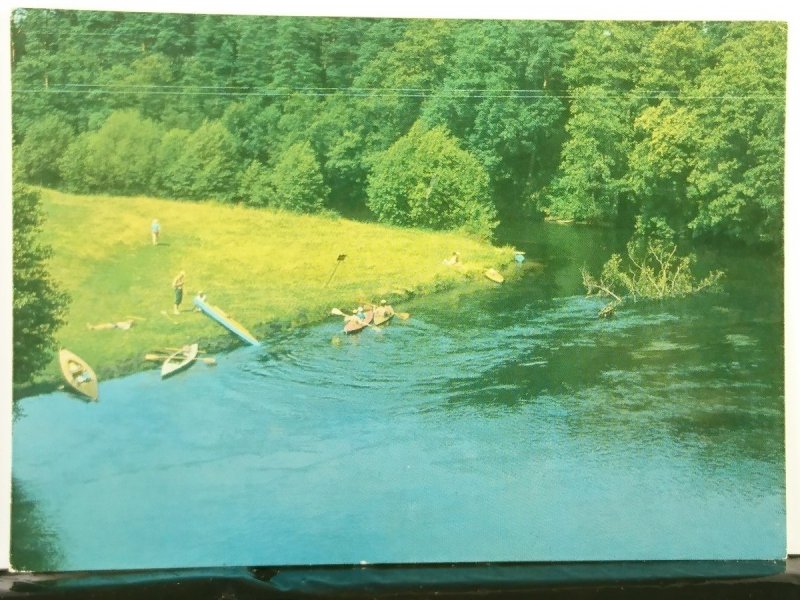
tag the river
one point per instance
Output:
(507, 424)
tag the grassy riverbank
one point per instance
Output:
(266, 269)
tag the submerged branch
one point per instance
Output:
(656, 272)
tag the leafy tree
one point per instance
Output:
(145, 82)
(500, 98)
(297, 183)
(119, 157)
(169, 178)
(254, 127)
(592, 184)
(737, 184)
(400, 77)
(662, 159)
(255, 185)
(425, 179)
(39, 305)
(44, 144)
(295, 59)
(207, 165)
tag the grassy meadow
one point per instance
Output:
(266, 269)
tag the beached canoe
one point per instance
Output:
(354, 326)
(494, 276)
(218, 315)
(79, 375)
(180, 360)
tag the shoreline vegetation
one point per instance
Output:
(270, 270)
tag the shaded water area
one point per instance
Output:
(507, 424)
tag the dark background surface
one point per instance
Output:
(563, 580)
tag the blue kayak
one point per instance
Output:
(220, 317)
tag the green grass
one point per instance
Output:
(266, 269)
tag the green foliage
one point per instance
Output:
(169, 180)
(425, 180)
(593, 184)
(36, 158)
(39, 304)
(652, 269)
(296, 182)
(255, 185)
(592, 121)
(119, 156)
(206, 166)
(737, 184)
(500, 98)
(138, 79)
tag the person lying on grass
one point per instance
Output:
(118, 325)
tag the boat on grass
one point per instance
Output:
(180, 360)
(218, 315)
(80, 377)
(493, 275)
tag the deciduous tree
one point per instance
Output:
(39, 305)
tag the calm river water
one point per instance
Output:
(510, 424)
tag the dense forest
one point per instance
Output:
(429, 123)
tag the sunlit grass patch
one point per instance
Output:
(261, 266)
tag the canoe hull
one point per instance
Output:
(493, 275)
(355, 326)
(382, 319)
(179, 361)
(218, 315)
(87, 388)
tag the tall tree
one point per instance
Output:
(44, 144)
(426, 180)
(120, 156)
(737, 184)
(39, 305)
(297, 182)
(501, 97)
(592, 184)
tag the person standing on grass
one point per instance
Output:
(177, 285)
(155, 231)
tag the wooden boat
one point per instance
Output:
(79, 375)
(494, 276)
(218, 315)
(180, 360)
(382, 318)
(354, 326)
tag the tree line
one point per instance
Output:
(429, 123)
